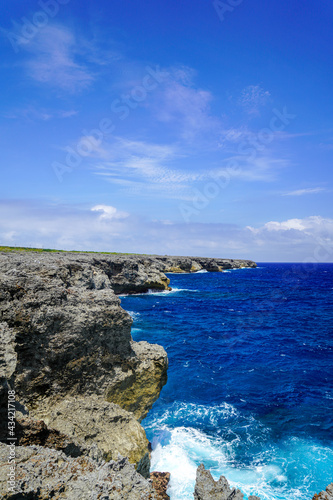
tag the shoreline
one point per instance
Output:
(78, 376)
(82, 386)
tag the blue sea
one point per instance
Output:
(250, 379)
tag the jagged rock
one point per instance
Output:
(8, 360)
(105, 428)
(8, 356)
(206, 488)
(194, 264)
(132, 274)
(42, 473)
(29, 431)
(325, 495)
(160, 482)
(137, 388)
(65, 336)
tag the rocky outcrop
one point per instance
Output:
(42, 473)
(136, 388)
(81, 384)
(195, 264)
(206, 488)
(66, 347)
(160, 481)
(104, 428)
(29, 431)
(138, 274)
(325, 495)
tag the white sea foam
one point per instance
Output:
(136, 330)
(180, 457)
(201, 271)
(134, 315)
(169, 292)
(271, 475)
(192, 412)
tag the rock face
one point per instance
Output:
(138, 274)
(208, 489)
(325, 495)
(66, 348)
(42, 473)
(105, 428)
(160, 482)
(81, 384)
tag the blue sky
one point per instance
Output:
(193, 128)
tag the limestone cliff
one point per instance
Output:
(43, 473)
(68, 352)
(82, 385)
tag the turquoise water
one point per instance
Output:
(250, 381)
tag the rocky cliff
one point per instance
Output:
(81, 384)
(206, 488)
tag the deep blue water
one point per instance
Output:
(250, 379)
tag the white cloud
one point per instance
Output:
(313, 222)
(109, 212)
(301, 192)
(104, 228)
(55, 59)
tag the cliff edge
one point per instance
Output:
(81, 384)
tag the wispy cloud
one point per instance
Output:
(35, 113)
(301, 192)
(144, 167)
(185, 106)
(56, 59)
(149, 169)
(253, 98)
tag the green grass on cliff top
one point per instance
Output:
(28, 249)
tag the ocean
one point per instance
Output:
(250, 379)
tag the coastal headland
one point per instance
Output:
(74, 384)
(78, 385)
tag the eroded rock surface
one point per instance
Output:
(160, 482)
(29, 431)
(325, 495)
(66, 347)
(42, 473)
(104, 427)
(136, 388)
(206, 488)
